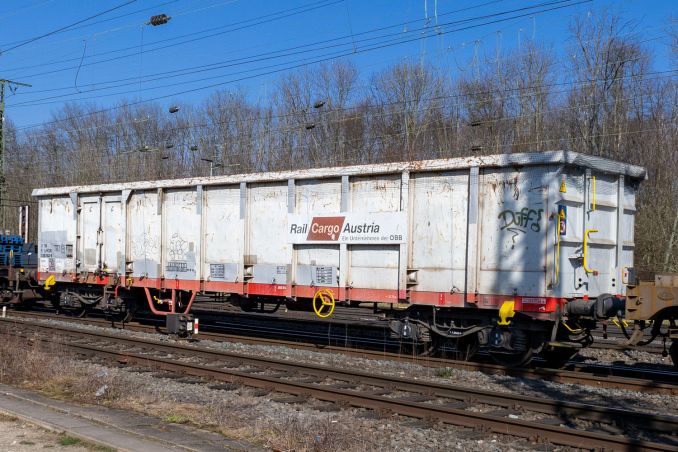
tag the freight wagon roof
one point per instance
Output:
(489, 161)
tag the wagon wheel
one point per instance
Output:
(79, 312)
(122, 314)
(520, 351)
(518, 359)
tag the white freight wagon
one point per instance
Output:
(476, 250)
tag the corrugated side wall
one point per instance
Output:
(424, 236)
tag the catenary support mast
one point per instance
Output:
(3, 83)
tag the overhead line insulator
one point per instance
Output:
(159, 19)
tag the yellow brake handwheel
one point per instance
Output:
(323, 303)
(51, 280)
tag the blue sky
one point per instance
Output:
(229, 44)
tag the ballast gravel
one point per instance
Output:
(637, 358)
(313, 425)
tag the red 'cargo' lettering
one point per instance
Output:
(325, 228)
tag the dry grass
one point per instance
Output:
(26, 361)
(48, 368)
(7, 418)
(319, 434)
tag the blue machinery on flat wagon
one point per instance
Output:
(18, 269)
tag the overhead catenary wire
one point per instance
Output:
(544, 87)
(77, 59)
(511, 56)
(64, 28)
(199, 68)
(271, 55)
(57, 98)
(484, 121)
(135, 79)
(182, 73)
(262, 57)
(150, 8)
(441, 153)
(134, 48)
(94, 127)
(98, 34)
(11, 13)
(255, 21)
(235, 26)
(426, 109)
(295, 66)
(393, 135)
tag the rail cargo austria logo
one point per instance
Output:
(347, 228)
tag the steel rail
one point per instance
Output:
(592, 412)
(601, 376)
(370, 320)
(456, 416)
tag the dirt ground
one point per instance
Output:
(19, 436)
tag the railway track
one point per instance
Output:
(558, 422)
(660, 381)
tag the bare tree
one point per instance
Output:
(601, 101)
